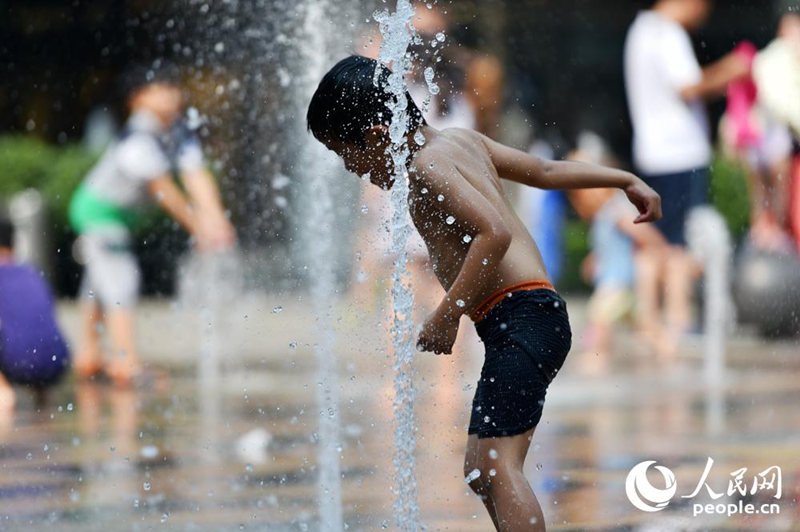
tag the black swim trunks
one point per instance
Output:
(527, 337)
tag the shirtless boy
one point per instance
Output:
(484, 258)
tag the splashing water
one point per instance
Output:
(318, 236)
(397, 33)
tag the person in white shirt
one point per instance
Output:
(666, 89)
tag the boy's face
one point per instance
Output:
(371, 159)
(162, 99)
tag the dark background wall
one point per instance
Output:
(60, 59)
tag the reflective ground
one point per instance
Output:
(178, 454)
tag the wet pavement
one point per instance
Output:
(180, 454)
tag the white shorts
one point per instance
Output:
(111, 275)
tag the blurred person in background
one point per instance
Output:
(776, 73)
(610, 267)
(32, 350)
(666, 89)
(105, 209)
(763, 146)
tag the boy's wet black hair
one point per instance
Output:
(140, 76)
(6, 232)
(347, 102)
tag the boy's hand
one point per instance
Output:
(438, 334)
(645, 199)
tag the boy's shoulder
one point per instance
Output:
(445, 147)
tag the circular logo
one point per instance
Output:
(642, 494)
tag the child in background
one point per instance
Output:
(32, 350)
(611, 266)
(136, 167)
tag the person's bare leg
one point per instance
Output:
(8, 398)
(648, 284)
(88, 359)
(125, 364)
(678, 290)
(503, 484)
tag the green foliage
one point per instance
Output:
(730, 194)
(56, 171)
(576, 249)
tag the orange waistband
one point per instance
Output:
(488, 304)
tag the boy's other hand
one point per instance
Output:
(645, 199)
(438, 334)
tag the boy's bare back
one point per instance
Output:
(454, 189)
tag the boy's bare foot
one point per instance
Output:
(87, 365)
(124, 371)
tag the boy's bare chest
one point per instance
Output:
(445, 238)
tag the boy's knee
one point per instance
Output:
(485, 475)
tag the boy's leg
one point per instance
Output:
(116, 279)
(501, 483)
(88, 359)
(125, 364)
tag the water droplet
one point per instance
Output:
(440, 36)
(293, 344)
(539, 467)
(29, 456)
(70, 407)
(146, 486)
(419, 138)
(475, 473)
(364, 209)
(460, 303)
(277, 310)
(485, 262)
(424, 190)
(493, 454)
(440, 197)
(492, 472)
(486, 419)
(467, 239)
(149, 452)
(450, 220)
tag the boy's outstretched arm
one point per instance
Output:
(489, 239)
(521, 167)
(170, 198)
